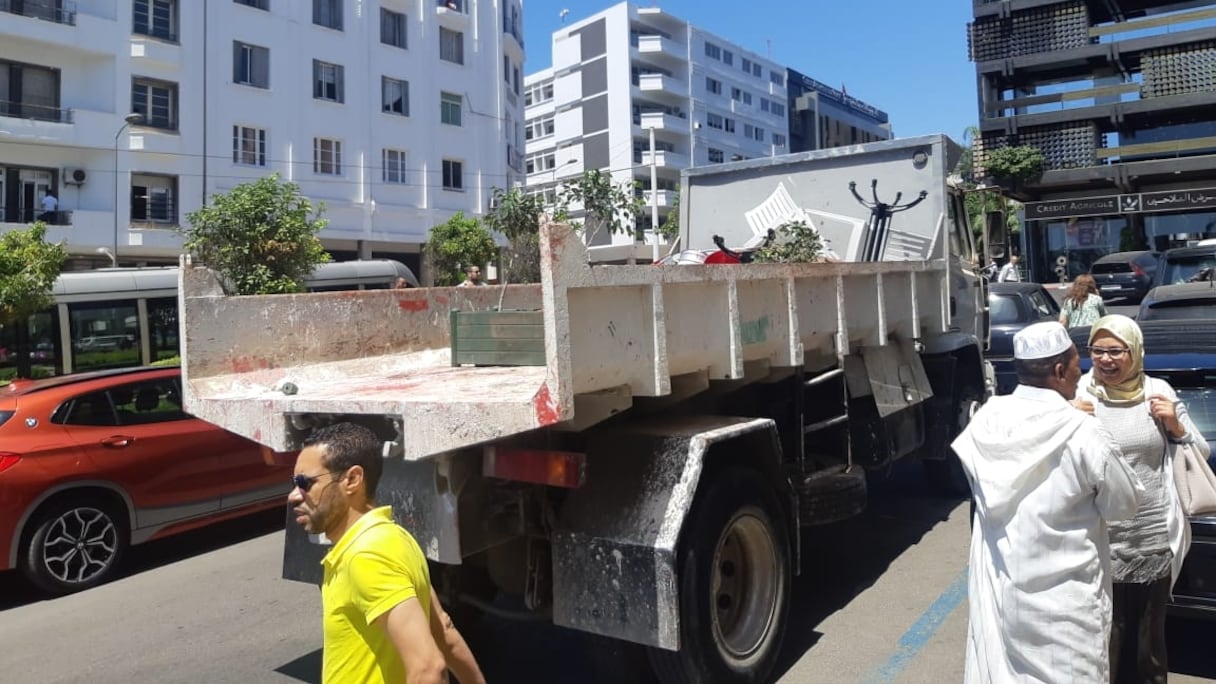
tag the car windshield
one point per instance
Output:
(1003, 308)
(1044, 305)
(1201, 406)
(1181, 269)
(1185, 310)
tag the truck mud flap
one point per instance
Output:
(614, 551)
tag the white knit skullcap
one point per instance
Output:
(1041, 341)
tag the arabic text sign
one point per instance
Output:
(1146, 202)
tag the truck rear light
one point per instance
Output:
(8, 461)
(1137, 270)
(554, 468)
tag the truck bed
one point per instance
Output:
(627, 330)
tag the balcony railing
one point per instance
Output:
(30, 215)
(29, 110)
(47, 10)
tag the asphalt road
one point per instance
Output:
(881, 599)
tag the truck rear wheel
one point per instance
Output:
(734, 585)
(946, 474)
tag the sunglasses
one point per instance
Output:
(305, 482)
(1114, 354)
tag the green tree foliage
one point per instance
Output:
(516, 216)
(1015, 166)
(260, 236)
(796, 242)
(670, 227)
(29, 266)
(608, 206)
(457, 243)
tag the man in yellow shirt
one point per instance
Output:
(382, 619)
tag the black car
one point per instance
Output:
(1183, 353)
(1125, 274)
(1185, 264)
(1189, 301)
(1011, 307)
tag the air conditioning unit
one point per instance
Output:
(75, 176)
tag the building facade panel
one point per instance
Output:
(350, 106)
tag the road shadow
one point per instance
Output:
(16, 591)
(841, 561)
(306, 668)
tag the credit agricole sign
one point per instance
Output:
(1144, 202)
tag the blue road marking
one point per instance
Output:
(921, 631)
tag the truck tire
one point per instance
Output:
(75, 545)
(945, 473)
(734, 582)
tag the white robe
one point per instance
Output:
(1046, 480)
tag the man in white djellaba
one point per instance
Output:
(1046, 479)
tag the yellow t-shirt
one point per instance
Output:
(374, 566)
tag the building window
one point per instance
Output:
(746, 64)
(451, 46)
(157, 101)
(714, 120)
(716, 156)
(393, 166)
(256, 4)
(728, 58)
(736, 94)
(506, 69)
(763, 104)
(777, 77)
(539, 128)
(29, 92)
(153, 199)
(747, 98)
(779, 140)
(713, 85)
(453, 175)
(729, 125)
(248, 146)
(156, 18)
(327, 156)
(449, 109)
(327, 81)
(778, 109)
(758, 134)
(392, 28)
(394, 96)
(327, 13)
(712, 51)
(756, 70)
(250, 65)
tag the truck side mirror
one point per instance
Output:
(996, 234)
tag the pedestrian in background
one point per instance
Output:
(1142, 414)
(382, 620)
(50, 208)
(472, 277)
(1046, 481)
(1082, 305)
(1009, 272)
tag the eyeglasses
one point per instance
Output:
(1114, 353)
(305, 482)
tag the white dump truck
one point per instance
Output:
(631, 450)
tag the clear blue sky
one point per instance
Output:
(906, 57)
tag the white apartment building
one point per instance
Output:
(628, 69)
(394, 113)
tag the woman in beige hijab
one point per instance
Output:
(1143, 415)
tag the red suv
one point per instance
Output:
(94, 462)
